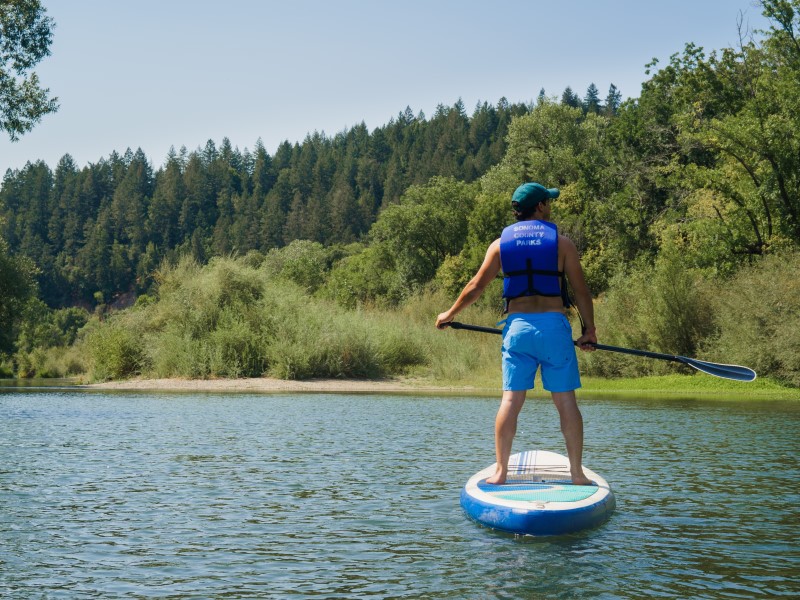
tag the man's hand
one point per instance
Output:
(589, 337)
(443, 319)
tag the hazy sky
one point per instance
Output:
(160, 73)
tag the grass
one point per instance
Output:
(662, 386)
(689, 385)
(486, 381)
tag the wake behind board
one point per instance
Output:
(538, 497)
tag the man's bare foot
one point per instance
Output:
(498, 478)
(581, 479)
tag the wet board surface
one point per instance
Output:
(538, 498)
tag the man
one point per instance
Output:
(534, 259)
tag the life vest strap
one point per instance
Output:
(534, 271)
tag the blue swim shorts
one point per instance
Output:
(533, 339)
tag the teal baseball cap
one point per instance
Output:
(528, 195)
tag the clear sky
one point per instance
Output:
(152, 74)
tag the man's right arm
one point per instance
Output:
(473, 290)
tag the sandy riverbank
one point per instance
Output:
(265, 384)
(659, 386)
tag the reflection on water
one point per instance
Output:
(40, 384)
(112, 495)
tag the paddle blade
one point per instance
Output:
(735, 372)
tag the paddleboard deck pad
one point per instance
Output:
(538, 497)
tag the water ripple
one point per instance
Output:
(357, 497)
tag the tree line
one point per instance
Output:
(100, 231)
(103, 228)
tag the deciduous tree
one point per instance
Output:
(25, 37)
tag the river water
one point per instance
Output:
(357, 496)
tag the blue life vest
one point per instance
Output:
(529, 259)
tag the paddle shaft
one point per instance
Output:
(457, 325)
(725, 371)
(645, 353)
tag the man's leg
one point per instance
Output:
(572, 428)
(505, 427)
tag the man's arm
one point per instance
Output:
(583, 298)
(473, 290)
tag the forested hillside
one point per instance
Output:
(684, 203)
(100, 230)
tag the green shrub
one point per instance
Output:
(398, 351)
(229, 319)
(449, 356)
(43, 327)
(53, 362)
(210, 321)
(6, 369)
(73, 362)
(116, 350)
(235, 348)
(322, 343)
(32, 365)
(192, 297)
(758, 318)
(174, 355)
(304, 262)
(367, 278)
(663, 308)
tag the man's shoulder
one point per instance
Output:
(565, 239)
(566, 245)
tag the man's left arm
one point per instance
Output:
(583, 298)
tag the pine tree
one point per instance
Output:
(221, 241)
(165, 206)
(263, 171)
(570, 98)
(613, 100)
(591, 102)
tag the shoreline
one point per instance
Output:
(662, 386)
(267, 384)
(678, 386)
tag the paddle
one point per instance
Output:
(734, 372)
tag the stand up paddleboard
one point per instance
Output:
(538, 497)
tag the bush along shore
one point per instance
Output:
(247, 318)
